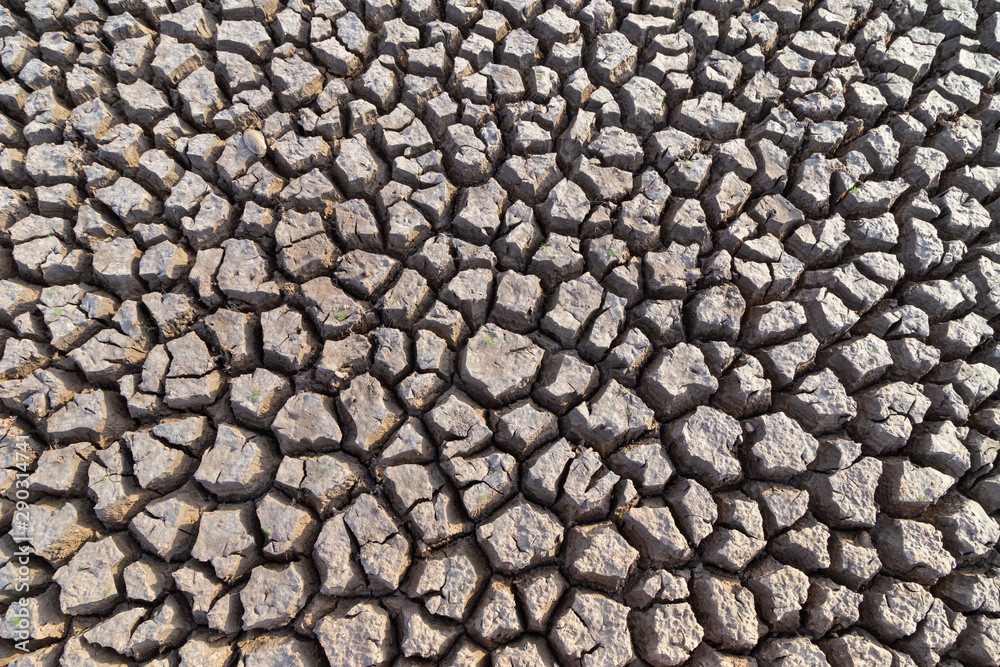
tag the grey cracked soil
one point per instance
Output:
(510, 333)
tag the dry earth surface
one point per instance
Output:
(580, 333)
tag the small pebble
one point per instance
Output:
(255, 142)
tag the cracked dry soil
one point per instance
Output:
(499, 333)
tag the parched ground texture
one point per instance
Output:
(584, 333)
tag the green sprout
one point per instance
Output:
(612, 253)
(265, 530)
(103, 479)
(543, 246)
(341, 315)
(922, 498)
(326, 468)
(689, 163)
(855, 190)
(57, 312)
(254, 394)
(488, 340)
(628, 413)
(106, 592)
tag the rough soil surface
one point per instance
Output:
(510, 333)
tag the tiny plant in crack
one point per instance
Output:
(488, 340)
(254, 394)
(265, 530)
(341, 315)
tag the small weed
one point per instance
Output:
(855, 190)
(543, 246)
(103, 479)
(57, 312)
(265, 530)
(628, 413)
(326, 468)
(922, 498)
(341, 315)
(689, 164)
(254, 394)
(106, 592)
(488, 340)
(49, 235)
(612, 253)
(51, 292)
